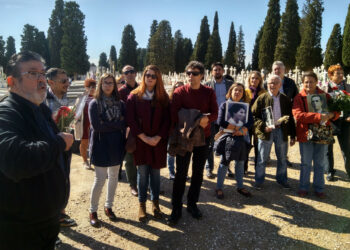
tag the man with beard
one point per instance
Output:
(221, 86)
(33, 175)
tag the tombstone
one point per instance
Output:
(225, 70)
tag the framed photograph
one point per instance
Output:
(267, 115)
(317, 103)
(237, 113)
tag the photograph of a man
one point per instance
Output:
(317, 103)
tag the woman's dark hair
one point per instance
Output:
(13, 66)
(309, 74)
(99, 91)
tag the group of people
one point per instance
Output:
(139, 124)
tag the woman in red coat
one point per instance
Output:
(149, 121)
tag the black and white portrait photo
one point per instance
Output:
(317, 103)
(267, 115)
(236, 113)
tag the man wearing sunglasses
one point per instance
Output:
(33, 174)
(221, 86)
(192, 96)
(124, 91)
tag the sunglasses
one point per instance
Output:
(194, 73)
(150, 76)
(129, 72)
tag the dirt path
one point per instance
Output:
(273, 218)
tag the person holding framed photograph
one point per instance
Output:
(235, 118)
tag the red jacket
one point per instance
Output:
(303, 117)
(143, 118)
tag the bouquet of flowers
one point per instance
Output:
(64, 118)
(340, 102)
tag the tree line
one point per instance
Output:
(292, 39)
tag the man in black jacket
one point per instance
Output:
(33, 174)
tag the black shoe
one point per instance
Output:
(175, 216)
(210, 174)
(194, 211)
(230, 174)
(330, 177)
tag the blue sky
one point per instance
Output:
(105, 19)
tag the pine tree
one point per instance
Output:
(230, 54)
(201, 45)
(113, 58)
(309, 53)
(102, 62)
(255, 55)
(240, 50)
(55, 33)
(334, 47)
(288, 38)
(188, 50)
(214, 51)
(10, 49)
(141, 58)
(179, 55)
(346, 43)
(154, 27)
(161, 50)
(127, 53)
(2, 53)
(268, 40)
(73, 52)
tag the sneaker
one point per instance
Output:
(171, 177)
(194, 211)
(302, 193)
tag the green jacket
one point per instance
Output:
(264, 101)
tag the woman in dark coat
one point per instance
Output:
(149, 121)
(107, 143)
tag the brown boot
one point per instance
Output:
(142, 212)
(94, 221)
(156, 210)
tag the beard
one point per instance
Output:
(218, 77)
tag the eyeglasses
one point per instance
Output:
(129, 72)
(34, 75)
(194, 73)
(150, 76)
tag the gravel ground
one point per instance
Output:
(273, 218)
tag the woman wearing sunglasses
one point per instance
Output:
(148, 119)
(107, 142)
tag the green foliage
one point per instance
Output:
(141, 59)
(268, 40)
(42, 47)
(334, 47)
(230, 54)
(10, 48)
(179, 52)
(255, 54)
(201, 45)
(288, 38)
(73, 52)
(154, 27)
(2, 53)
(127, 53)
(339, 103)
(161, 48)
(102, 62)
(188, 50)
(309, 53)
(55, 33)
(346, 42)
(214, 51)
(113, 57)
(240, 50)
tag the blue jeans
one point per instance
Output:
(309, 152)
(171, 161)
(264, 149)
(209, 165)
(145, 174)
(239, 172)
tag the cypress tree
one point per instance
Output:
(179, 52)
(201, 45)
(240, 50)
(42, 47)
(127, 53)
(102, 62)
(188, 50)
(153, 29)
(288, 38)
(309, 52)
(113, 57)
(73, 52)
(269, 37)
(214, 51)
(346, 43)
(334, 47)
(141, 58)
(28, 38)
(2, 53)
(255, 55)
(230, 54)
(10, 48)
(161, 50)
(55, 33)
